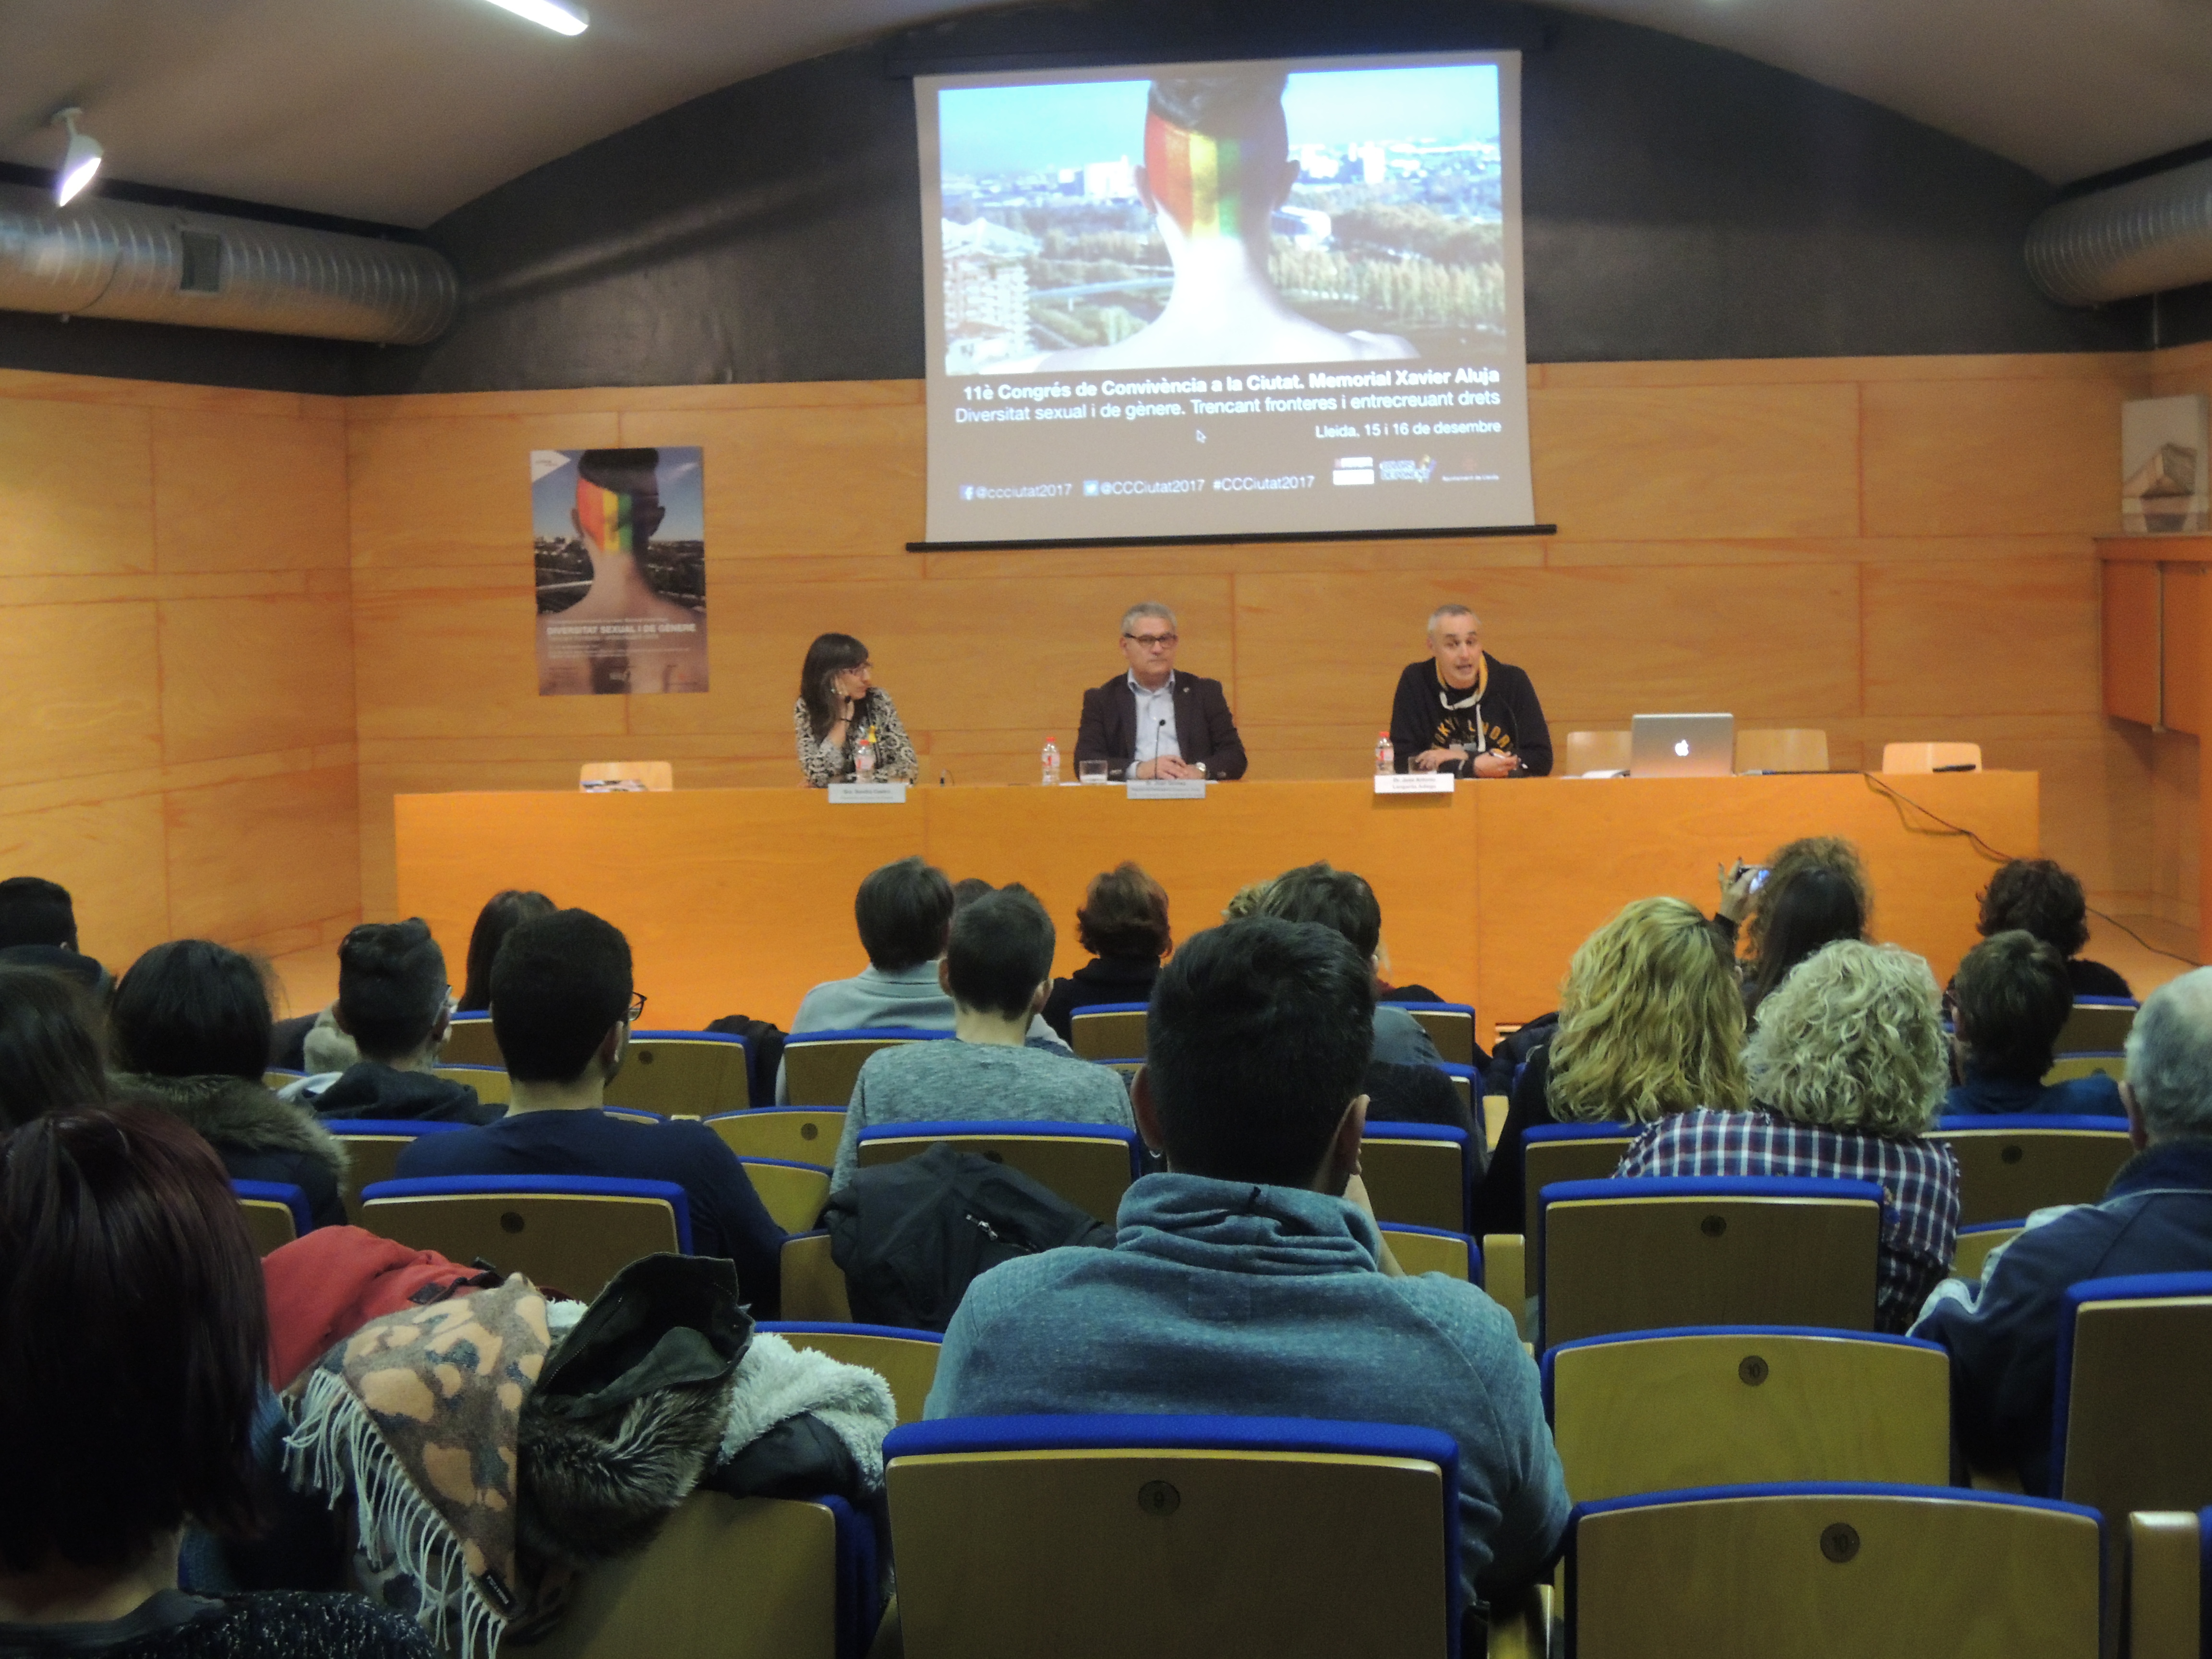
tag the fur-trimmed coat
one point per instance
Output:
(259, 1137)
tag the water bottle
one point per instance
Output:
(1051, 763)
(1386, 758)
(864, 756)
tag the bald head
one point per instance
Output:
(2170, 1058)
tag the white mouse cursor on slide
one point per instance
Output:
(1201, 437)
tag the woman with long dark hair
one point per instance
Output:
(503, 914)
(839, 705)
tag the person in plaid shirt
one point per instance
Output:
(1847, 1069)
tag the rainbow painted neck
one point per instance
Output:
(1208, 185)
(608, 517)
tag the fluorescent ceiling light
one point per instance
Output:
(79, 161)
(556, 14)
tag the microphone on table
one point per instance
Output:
(1160, 737)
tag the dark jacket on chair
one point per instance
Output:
(375, 1091)
(258, 1136)
(1101, 980)
(1205, 729)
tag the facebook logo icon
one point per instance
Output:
(967, 492)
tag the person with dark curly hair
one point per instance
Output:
(1123, 923)
(2042, 897)
(2011, 1003)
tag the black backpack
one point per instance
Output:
(912, 1235)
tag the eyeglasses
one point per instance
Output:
(636, 1007)
(1153, 642)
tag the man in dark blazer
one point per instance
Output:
(1153, 722)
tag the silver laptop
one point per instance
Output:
(1681, 746)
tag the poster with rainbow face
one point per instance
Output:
(620, 544)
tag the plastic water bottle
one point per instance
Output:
(864, 756)
(1051, 763)
(1386, 758)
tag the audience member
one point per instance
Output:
(1250, 1279)
(2012, 999)
(394, 1002)
(133, 1338)
(2041, 898)
(967, 890)
(1650, 1022)
(503, 914)
(1123, 923)
(997, 970)
(1815, 891)
(1846, 1070)
(188, 1032)
(1245, 901)
(2156, 1218)
(903, 912)
(1341, 900)
(562, 1004)
(38, 929)
(49, 1046)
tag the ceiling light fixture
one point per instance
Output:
(79, 161)
(556, 14)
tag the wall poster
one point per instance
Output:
(620, 538)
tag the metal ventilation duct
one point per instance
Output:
(2144, 237)
(147, 264)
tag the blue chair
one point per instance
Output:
(373, 1148)
(1108, 1030)
(1833, 1571)
(470, 1041)
(1101, 1537)
(573, 1233)
(2014, 1165)
(905, 1359)
(2169, 1567)
(2129, 1425)
(1450, 1026)
(690, 1073)
(2097, 1025)
(276, 1212)
(1645, 1254)
(1552, 1153)
(802, 1134)
(1089, 1165)
(1419, 1173)
(819, 1066)
(1468, 1084)
(1434, 1250)
(793, 1192)
(1970, 1258)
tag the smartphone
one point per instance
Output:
(1758, 873)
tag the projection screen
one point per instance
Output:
(1220, 299)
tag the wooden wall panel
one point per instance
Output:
(1982, 456)
(1947, 639)
(2182, 663)
(433, 494)
(253, 860)
(245, 676)
(461, 662)
(237, 491)
(2132, 649)
(82, 685)
(109, 854)
(76, 488)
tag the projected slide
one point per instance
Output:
(1225, 299)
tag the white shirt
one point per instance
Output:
(1155, 721)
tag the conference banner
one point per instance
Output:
(619, 537)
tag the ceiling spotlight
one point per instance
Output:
(556, 14)
(79, 161)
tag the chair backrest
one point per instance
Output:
(1782, 749)
(729, 1578)
(1651, 1411)
(2010, 1167)
(1978, 1242)
(1089, 1165)
(1596, 751)
(373, 1148)
(1450, 1026)
(2068, 1068)
(2169, 1565)
(813, 1283)
(2098, 1025)
(792, 1193)
(1434, 1250)
(276, 1211)
(1930, 757)
(802, 1134)
(493, 1085)
(1552, 1153)
(2129, 1424)
(1833, 1571)
(905, 1359)
(572, 1233)
(1418, 1173)
(468, 1042)
(1644, 1254)
(689, 1072)
(1108, 1030)
(655, 775)
(819, 1066)
(1173, 1537)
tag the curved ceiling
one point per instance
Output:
(399, 110)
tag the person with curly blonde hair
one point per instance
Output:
(1847, 1069)
(1650, 1023)
(1815, 891)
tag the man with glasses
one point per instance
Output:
(1151, 722)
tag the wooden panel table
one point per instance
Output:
(736, 900)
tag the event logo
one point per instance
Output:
(1353, 469)
(1682, 747)
(1407, 471)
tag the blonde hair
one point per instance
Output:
(1650, 1020)
(1246, 900)
(1852, 1039)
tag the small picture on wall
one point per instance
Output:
(619, 538)
(2163, 472)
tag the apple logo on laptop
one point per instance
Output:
(1682, 747)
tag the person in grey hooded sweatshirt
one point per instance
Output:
(1250, 1279)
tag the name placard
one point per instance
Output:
(1167, 789)
(1415, 783)
(867, 794)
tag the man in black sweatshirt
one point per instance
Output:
(1461, 710)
